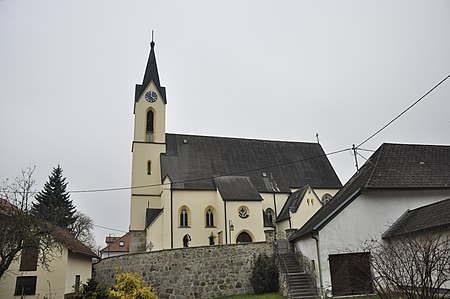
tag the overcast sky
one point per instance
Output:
(281, 70)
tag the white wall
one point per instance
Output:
(367, 217)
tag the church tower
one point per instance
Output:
(148, 144)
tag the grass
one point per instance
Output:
(262, 296)
(360, 297)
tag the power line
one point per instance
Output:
(110, 228)
(404, 111)
(207, 178)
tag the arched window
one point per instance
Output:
(270, 215)
(209, 217)
(244, 237)
(184, 217)
(150, 126)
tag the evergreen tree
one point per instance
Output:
(53, 202)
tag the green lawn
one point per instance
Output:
(262, 296)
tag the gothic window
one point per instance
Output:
(184, 217)
(150, 126)
(209, 217)
(270, 215)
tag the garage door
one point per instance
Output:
(350, 274)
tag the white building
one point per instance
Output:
(396, 178)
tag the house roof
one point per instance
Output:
(73, 244)
(192, 162)
(61, 235)
(392, 166)
(427, 217)
(116, 247)
(151, 74)
(292, 204)
(237, 188)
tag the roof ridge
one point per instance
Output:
(244, 138)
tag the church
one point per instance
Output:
(193, 190)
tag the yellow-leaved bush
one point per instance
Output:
(131, 286)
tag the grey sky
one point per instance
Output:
(261, 69)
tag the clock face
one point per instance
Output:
(151, 96)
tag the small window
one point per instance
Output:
(243, 212)
(149, 167)
(121, 243)
(209, 215)
(307, 201)
(184, 217)
(29, 259)
(326, 198)
(312, 201)
(25, 285)
(77, 283)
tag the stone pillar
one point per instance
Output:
(289, 233)
(138, 241)
(270, 235)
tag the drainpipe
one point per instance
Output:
(171, 217)
(225, 226)
(318, 261)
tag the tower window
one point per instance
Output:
(270, 215)
(150, 126)
(149, 167)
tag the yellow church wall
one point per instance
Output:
(321, 192)
(157, 233)
(253, 224)
(196, 201)
(308, 207)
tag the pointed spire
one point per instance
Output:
(151, 74)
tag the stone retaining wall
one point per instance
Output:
(196, 272)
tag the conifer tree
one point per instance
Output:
(53, 202)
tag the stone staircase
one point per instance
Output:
(299, 282)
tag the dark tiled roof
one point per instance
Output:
(115, 246)
(151, 215)
(292, 204)
(427, 217)
(192, 161)
(236, 188)
(151, 74)
(397, 166)
(73, 244)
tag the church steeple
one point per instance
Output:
(151, 74)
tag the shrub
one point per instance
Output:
(131, 286)
(264, 277)
(92, 290)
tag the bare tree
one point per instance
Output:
(82, 229)
(20, 230)
(412, 265)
